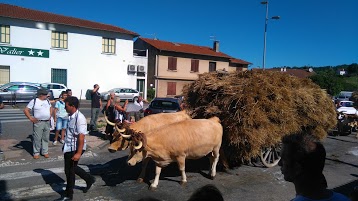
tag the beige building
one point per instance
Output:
(172, 65)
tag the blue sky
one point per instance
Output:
(310, 32)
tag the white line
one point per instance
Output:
(32, 173)
(27, 192)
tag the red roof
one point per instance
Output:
(17, 12)
(239, 61)
(301, 73)
(187, 48)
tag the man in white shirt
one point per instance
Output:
(138, 115)
(41, 114)
(74, 147)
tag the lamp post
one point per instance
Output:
(266, 20)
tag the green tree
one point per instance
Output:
(327, 79)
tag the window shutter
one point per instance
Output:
(174, 63)
(171, 88)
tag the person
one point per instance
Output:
(110, 113)
(120, 111)
(74, 147)
(140, 104)
(69, 92)
(1, 103)
(61, 118)
(208, 193)
(302, 163)
(41, 114)
(96, 104)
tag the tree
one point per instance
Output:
(327, 79)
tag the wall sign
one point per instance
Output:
(25, 52)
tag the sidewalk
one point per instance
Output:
(21, 151)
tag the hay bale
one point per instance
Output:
(257, 108)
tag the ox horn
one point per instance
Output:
(139, 145)
(120, 131)
(108, 122)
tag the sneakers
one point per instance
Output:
(89, 184)
(62, 141)
(36, 156)
(54, 142)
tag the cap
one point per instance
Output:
(42, 92)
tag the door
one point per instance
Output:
(4, 74)
(140, 87)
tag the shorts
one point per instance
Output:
(61, 123)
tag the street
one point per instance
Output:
(23, 178)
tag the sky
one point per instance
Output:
(309, 32)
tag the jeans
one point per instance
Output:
(61, 123)
(41, 136)
(94, 117)
(72, 169)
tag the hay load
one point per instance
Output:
(257, 108)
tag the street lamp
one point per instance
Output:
(266, 20)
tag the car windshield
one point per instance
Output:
(347, 104)
(165, 105)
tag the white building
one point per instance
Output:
(37, 46)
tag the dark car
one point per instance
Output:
(163, 105)
(14, 92)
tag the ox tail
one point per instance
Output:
(216, 119)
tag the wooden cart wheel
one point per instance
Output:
(271, 156)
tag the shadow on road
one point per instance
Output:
(347, 189)
(52, 179)
(25, 144)
(117, 171)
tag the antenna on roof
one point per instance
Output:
(152, 35)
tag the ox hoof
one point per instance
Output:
(212, 177)
(152, 188)
(183, 183)
(140, 180)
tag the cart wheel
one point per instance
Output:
(271, 156)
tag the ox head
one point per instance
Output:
(137, 152)
(118, 142)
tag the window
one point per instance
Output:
(108, 45)
(172, 63)
(59, 76)
(59, 40)
(194, 65)
(212, 66)
(171, 88)
(4, 33)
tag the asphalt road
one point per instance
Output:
(23, 178)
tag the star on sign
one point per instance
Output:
(31, 52)
(39, 53)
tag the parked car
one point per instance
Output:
(20, 92)
(56, 88)
(163, 105)
(122, 93)
(347, 107)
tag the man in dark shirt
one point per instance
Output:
(96, 104)
(1, 103)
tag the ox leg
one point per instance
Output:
(181, 165)
(154, 185)
(214, 158)
(144, 168)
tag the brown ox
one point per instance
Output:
(144, 125)
(189, 139)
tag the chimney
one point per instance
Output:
(216, 46)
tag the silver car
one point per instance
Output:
(122, 93)
(14, 92)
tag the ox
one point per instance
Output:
(144, 125)
(189, 139)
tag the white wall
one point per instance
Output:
(84, 61)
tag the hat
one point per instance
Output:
(42, 92)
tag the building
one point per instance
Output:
(38, 46)
(172, 65)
